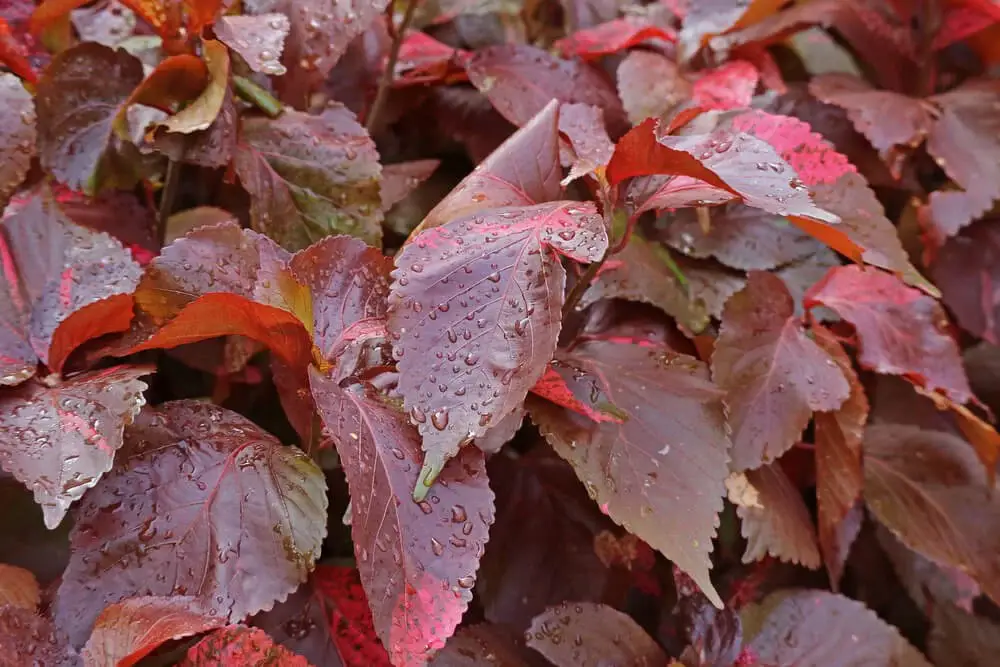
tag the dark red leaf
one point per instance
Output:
(541, 549)
(585, 633)
(900, 330)
(815, 627)
(800, 276)
(258, 39)
(650, 85)
(485, 292)
(524, 170)
(967, 269)
(961, 639)
(200, 502)
(58, 437)
(60, 286)
(775, 376)
(520, 80)
(778, 523)
(310, 176)
(611, 37)
(401, 179)
(17, 138)
(483, 645)
(661, 471)
(729, 86)
(129, 630)
(302, 625)
(240, 645)
(77, 100)
(929, 490)
(553, 387)
(418, 560)
(117, 213)
(351, 620)
(24, 633)
(839, 479)
(590, 148)
(18, 588)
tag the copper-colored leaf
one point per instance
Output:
(418, 560)
(900, 330)
(775, 376)
(18, 588)
(200, 114)
(310, 176)
(240, 645)
(661, 471)
(258, 39)
(129, 630)
(200, 502)
(484, 292)
(779, 524)
(585, 633)
(17, 137)
(960, 639)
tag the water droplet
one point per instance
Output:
(418, 415)
(436, 547)
(467, 582)
(440, 419)
(458, 514)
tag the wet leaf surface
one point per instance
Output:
(258, 39)
(483, 644)
(780, 525)
(24, 633)
(17, 138)
(240, 645)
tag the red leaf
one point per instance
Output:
(302, 625)
(611, 37)
(417, 560)
(14, 55)
(24, 633)
(775, 376)
(519, 81)
(18, 588)
(900, 330)
(524, 170)
(816, 627)
(258, 39)
(660, 471)
(351, 619)
(778, 524)
(129, 630)
(729, 86)
(650, 85)
(61, 285)
(58, 437)
(553, 387)
(17, 139)
(200, 502)
(484, 292)
(240, 645)
(611, 637)
(423, 60)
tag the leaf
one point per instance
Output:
(24, 633)
(740, 236)
(523, 171)
(819, 628)
(302, 625)
(17, 138)
(729, 86)
(200, 502)
(482, 645)
(965, 269)
(612, 37)
(485, 292)
(926, 487)
(611, 637)
(716, 17)
(14, 55)
(650, 85)
(109, 25)
(240, 645)
(58, 437)
(553, 386)
(775, 376)
(61, 285)
(520, 80)
(541, 548)
(129, 630)
(258, 39)
(175, 81)
(424, 60)
(310, 177)
(900, 331)
(838, 438)
(961, 639)
(590, 148)
(660, 473)
(351, 620)
(800, 276)
(418, 561)
(400, 180)
(200, 114)
(77, 100)
(780, 526)
(18, 588)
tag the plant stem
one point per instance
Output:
(171, 182)
(254, 94)
(583, 283)
(385, 83)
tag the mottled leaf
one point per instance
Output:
(57, 437)
(611, 37)
(60, 286)
(520, 80)
(819, 628)
(484, 292)
(17, 138)
(258, 39)
(240, 645)
(779, 524)
(524, 170)
(661, 471)
(24, 633)
(650, 85)
(775, 376)
(77, 101)
(900, 330)
(310, 177)
(200, 502)
(929, 490)
(585, 634)
(590, 148)
(129, 630)
(18, 588)
(729, 86)
(483, 645)
(418, 560)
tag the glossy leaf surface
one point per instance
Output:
(612, 637)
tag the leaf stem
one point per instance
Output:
(257, 96)
(385, 83)
(168, 194)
